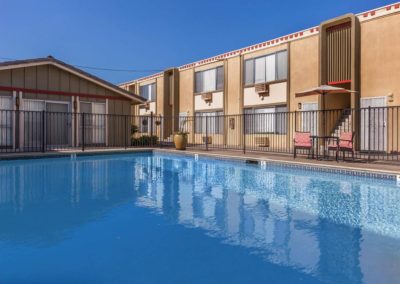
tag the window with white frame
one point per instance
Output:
(268, 68)
(209, 80)
(148, 92)
(209, 122)
(309, 118)
(266, 120)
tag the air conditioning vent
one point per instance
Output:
(262, 90)
(145, 106)
(207, 97)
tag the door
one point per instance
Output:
(57, 124)
(95, 122)
(6, 122)
(99, 123)
(33, 123)
(309, 118)
(373, 116)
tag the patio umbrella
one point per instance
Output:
(324, 90)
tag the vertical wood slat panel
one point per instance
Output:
(338, 53)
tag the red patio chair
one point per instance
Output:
(302, 140)
(344, 144)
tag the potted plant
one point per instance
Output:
(180, 140)
(180, 137)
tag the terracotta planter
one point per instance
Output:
(180, 141)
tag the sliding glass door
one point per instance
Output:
(94, 123)
(6, 122)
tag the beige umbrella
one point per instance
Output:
(324, 90)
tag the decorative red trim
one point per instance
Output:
(339, 82)
(60, 93)
(340, 26)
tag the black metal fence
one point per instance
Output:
(376, 133)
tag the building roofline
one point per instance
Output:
(69, 68)
(364, 16)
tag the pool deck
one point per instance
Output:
(376, 167)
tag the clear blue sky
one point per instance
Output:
(154, 34)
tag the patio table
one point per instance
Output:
(324, 138)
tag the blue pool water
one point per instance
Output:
(154, 218)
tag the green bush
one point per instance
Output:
(145, 140)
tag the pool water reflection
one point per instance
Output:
(153, 218)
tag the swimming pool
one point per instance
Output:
(157, 218)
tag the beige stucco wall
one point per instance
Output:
(152, 109)
(277, 95)
(216, 104)
(380, 58)
(233, 84)
(303, 60)
(186, 84)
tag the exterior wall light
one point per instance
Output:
(299, 106)
(390, 97)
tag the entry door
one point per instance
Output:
(99, 123)
(309, 118)
(57, 124)
(95, 122)
(6, 121)
(32, 117)
(373, 124)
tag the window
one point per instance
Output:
(266, 120)
(267, 68)
(148, 92)
(282, 63)
(209, 122)
(209, 80)
(309, 118)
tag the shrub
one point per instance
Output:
(145, 140)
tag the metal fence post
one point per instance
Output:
(83, 131)
(161, 125)
(244, 133)
(151, 128)
(369, 134)
(206, 140)
(126, 131)
(43, 131)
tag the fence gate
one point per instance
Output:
(373, 124)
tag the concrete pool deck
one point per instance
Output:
(383, 167)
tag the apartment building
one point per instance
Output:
(356, 52)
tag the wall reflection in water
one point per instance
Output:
(324, 225)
